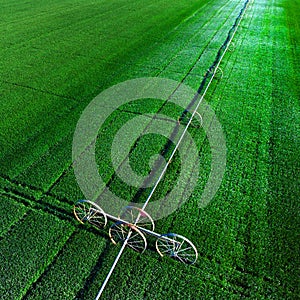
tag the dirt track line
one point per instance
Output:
(21, 189)
(47, 208)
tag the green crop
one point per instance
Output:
(56, 56)
(78, 256)
(10, 213)
(27, 249)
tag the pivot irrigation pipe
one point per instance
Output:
(214, 67)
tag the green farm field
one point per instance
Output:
(57, 56)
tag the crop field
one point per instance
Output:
(57, 56)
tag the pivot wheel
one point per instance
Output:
(177, 247)
(88, 211)
(119, 232)
(137, 216)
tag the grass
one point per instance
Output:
(79, 256)
(247, 237)
(23, 262)
(11, 212)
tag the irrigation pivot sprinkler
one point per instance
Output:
(132, 226)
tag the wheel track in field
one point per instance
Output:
(52, 263)
(48, 267)
(17, 222)
(64, 214)
(93, 274)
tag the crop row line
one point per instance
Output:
(211, 18)
(23, 190)
(48, 267)
(38, 90)
(91, 278)
(47, 208)
(97, 59)
(40, 191)
(57, 29)
(32, 204)
(69, 167)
